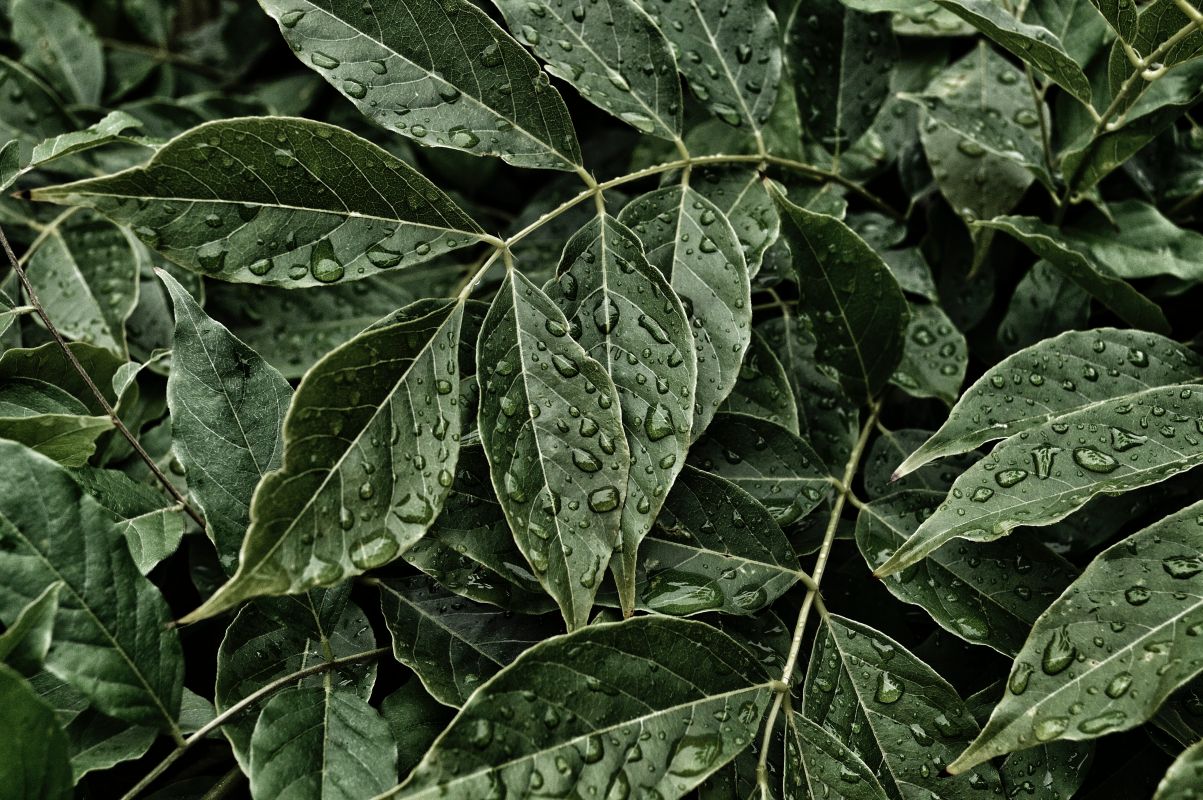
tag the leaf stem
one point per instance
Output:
(812, 596)
(242, 705)
(40, 310)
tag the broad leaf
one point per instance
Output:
(277, 200)
(1076, 370)
(227, 408)
(1140, 243)
(1121, 15)
(321, 742)
(934, 357)
(1156, 23)
(624, 313)
(415, 719)
(817, 760)
(581, 712)
(1045, 303)
(551, 425)
(60, 43)
(26, 639)
(34, 754)
(969, 589)
(1047, 472)
(693, 244)
(858, 310)
(47, 419)
(613, 54)
(763, 389)
(110, 636)
(892, 710)
(376, 419)
(1184, 776)
(1106, 655)
(739, 193)
(441, 73)
(29, 110)
(453, 644)
(148, 519)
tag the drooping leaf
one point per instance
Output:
(934, 357)
(551, 426)
(376, 419)
(858, 310)
(34, 754)
(1127, 599)
(625, 315)
(692, 243)
(613, 54)
(47, 419)
(1047, 472)
(26, 639)
(227, 408)
(817, 760)
(891, 710)
(453, 644)
(110, 636)
(1076, 370)
(278, 201)
(441, 73)
(586, 710)
(969, 589)
(763, 389)
(321, 742)
(1182, 779)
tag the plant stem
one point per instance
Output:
(812, 596)
(40, 310)
(242, 705)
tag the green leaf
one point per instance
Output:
(729, 53)
(858, 309)
(692, 243)
(29, 110)
(60, 43)
(10, 165)
(1127, 599)
(1050, 470)
(891, 447)
(1156, 23)
(1045, 303)
(34, 755)
(47, 369)
(1046, 242)
(891, 710)
(441, 73)
(110, 636)
(551, 426)
(26, 639)
(780, 470)
(111, 128)
(624, 313)
(817, 759)
(415, 719)
(740, 194)
(968, 589)
(376, 419)
(934, 357)
(580, 712)
(715, 549)
(275, 637)
(1033, 44)
(843, 60)
(1061, 766)
(1150, 245)
(452, 644)
(1184, 775)
(1083, 370)
(321, 742)
(1120, 15)
(227, 408)
(1077, 23)
(763, 389)
(148, 519)
(278, 201)
(47, 419)
(613, 54)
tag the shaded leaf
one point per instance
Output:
(415, 719)
(739, 193)
(1121, 15)
(34, 756)
(47, 419)
(1045, 303)
(1182, 779)
(29, 110)
(1140, 243)
(763, 389)
(934, 357)
(818, 760)
(60, 43)
(26, 639)
(891, 447)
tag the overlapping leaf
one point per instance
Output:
(35, 756)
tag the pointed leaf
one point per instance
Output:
(1121, 15)
(1076, 370)
(452, 644)
(827, 767)
(739, 193)
(227, 407)
(596, 708)
(625, 315)
(690, 240)
(62, 45)
(1128, 600)
(34, 755)
(1150, 244)
(47, 419)
(763, 389)
(891, 447)
(148, 519)
(858, 310)
(551, 425)
(110, 635)
(1049, 471)
(279, 201)
(26, 639)
(374, 426)
(440, 72)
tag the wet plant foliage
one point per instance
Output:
(601, 399)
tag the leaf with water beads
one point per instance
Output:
(624, 313)
(551, 425)
(1045, 473)
(763, 388)
(1053, 377)
(651, 706)
(892, 710)
(438, 71)
(1108, 653)
(815, 759)
(279, 201)
(935, 356)
(370, 446)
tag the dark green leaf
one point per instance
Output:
(816, 759)
(888, 450)
(1184, 776)
(34, 754)
(1121, 15)
(1045, 303)
(740, 194)
(47, 419)
(59, 43)
(26, 639)
(934, 357)
(763, 389)
(415, 719)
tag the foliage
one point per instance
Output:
(611, 400)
